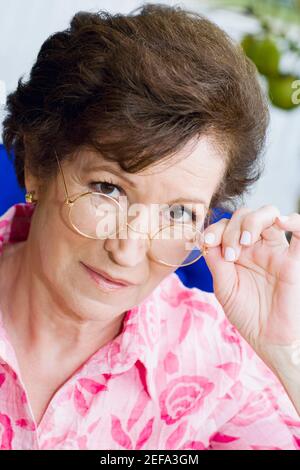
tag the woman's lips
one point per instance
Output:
(102, 281)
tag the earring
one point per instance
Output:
(29, 197)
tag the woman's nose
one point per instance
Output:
(128, 248)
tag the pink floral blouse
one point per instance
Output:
(178, 376)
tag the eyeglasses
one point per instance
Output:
(99, 216)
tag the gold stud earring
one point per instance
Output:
(29, 197)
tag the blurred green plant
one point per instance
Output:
(267, 47)
(263, 51)
(286, 10)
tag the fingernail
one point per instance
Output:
(245, 238)
(283, 218)
(229, 254)
(209, 238)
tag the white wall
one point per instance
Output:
(24, 25)
(280, 183)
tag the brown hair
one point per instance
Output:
(137, 88)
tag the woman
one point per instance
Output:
(102, 346)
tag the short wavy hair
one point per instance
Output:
(137, 88)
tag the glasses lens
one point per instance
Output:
(96, 215)
(177, 245)
(99, 216)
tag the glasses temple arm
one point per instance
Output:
(63, 177)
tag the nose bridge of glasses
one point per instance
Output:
(150, 220)
(142, 219)
(132, 229)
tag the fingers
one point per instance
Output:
(244, 228)
(214, 233)
(260, 225)
(231, 246)
(291, 223)
(227, 233)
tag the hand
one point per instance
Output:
(260, 289)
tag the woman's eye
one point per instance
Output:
(107, 188)
(181, 214)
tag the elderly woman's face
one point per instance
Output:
(60, 253)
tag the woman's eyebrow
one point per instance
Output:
(108, 168)
(189, 200)
(104, 167)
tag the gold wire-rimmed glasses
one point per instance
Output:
(87, 206)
